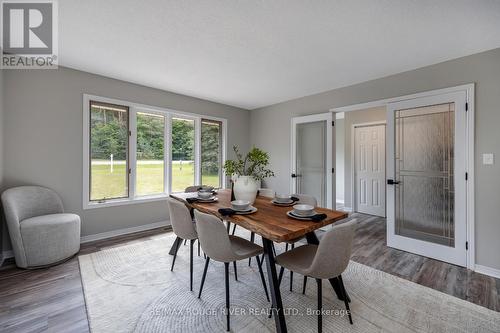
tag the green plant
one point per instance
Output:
(254, 164)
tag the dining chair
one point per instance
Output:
(184, 228)
(328, 260)
(221, 247)
(306, 200)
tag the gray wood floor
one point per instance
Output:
(51, 299)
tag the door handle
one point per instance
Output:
(296, 176)
(392, 182)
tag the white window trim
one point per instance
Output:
(133, 109)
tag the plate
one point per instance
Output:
(297, 217)
(212, 199)
(283, 204)
(246, 212)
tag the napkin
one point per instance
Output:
(226, 211)
(318, 217)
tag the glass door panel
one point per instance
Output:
(183, 168)
(311, 160)
(424, 170)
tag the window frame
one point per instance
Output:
(221, 145)
(133, 108)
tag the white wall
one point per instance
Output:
(271, 129)
(43, 137)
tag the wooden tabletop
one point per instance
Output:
(269, 221)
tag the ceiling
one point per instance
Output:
(254, 53)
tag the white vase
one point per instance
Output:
(245, 188)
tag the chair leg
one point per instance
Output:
(179, 242)
(204, 275)
(199, 247)
(252, 239)
(274, 250)
(191, 243)
(259, 263)
(228, 227)
(280, 277)
(344, 294)
(286, 247)
(185, 241)
(226, 277)
(291, 273)
(234, 229)
(320, 306)
(235, 271)
(304, 285)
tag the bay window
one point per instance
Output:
(135, 153)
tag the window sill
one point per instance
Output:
(127, 201)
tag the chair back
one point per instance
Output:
(194, 188)
(334, 251)
(267, 192)
(213, 237)
(181, 220)
(306, 199)
(23, 202)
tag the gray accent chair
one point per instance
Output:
(40, 232)
(328, 260)
(306, 200)
(184, 228)
(220, 246)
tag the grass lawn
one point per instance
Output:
(149, 179)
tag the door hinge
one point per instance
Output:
(129, 171)
(466, 245)
(466, 106)
(333, 123)
(333, 170)
(129, 133)
(466, 176)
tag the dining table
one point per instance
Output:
(272, 223)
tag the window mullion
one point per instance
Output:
(168, 153)
(132, 152)
(197, 152)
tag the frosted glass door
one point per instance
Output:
(313, 157)
(311, 160)
(424, 169)
(426, 191)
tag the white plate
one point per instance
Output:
(212, 199)
(282, 203)
(251, 210)
(303, 218)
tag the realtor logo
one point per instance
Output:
(29, 34)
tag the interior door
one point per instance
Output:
(312, 157)
(369, 163)
(426, 165)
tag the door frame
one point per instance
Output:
(354, 202)
(469, 153)
(330, 153)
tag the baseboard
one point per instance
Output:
(121, 232)
(493, 272)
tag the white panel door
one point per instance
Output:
(369, 162)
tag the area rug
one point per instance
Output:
(130, 288)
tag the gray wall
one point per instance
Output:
(43, 136)
(339, 159)
(271, 129)
(351, 118)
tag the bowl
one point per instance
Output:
(282, 198)
(303, 210)
(240, 205)
(205, 194)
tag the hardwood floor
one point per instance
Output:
(51, 299)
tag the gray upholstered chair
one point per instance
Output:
(40, 232)
(328, 260)
(220, 246)
(306, 200)
(184, 229)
